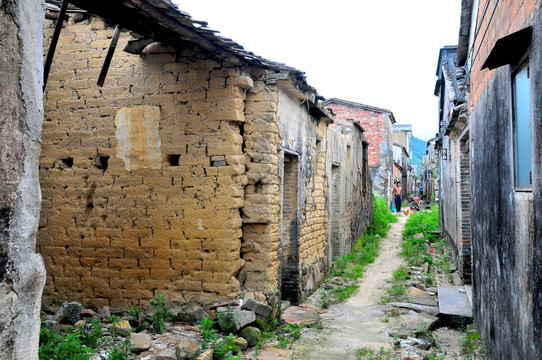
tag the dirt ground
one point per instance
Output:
(362, 322)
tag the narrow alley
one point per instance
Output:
(359, 322)
(169, 193)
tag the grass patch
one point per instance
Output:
(352, 265)
(423, 247)
(370, 354)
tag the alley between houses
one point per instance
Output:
(358, 322)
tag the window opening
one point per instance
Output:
(522, 129)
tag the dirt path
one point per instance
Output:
(358, 322)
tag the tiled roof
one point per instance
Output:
(163, 21)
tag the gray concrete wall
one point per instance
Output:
(506, 224)
(22, 274)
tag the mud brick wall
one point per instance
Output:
(314, 213)
(143, 179)
(261, 210)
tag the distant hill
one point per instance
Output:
(417, 150)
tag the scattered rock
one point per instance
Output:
(418, 236)
(397, 335)
(256, 306)
(313, 307)
(299, 315)
(168, 354)
(80, 323)
(104, 312)
(188, 349)
(431, 310)
(73, 312)
(140, 341)
(206, 355)
(269, 353)
(123, 325)
(421, 286)
(86, 313)
(60, 315)
(52, 325)
(251, 334)
(233, 319)
(241, 342)
(190, 312)
(230, 303)
(285, 304)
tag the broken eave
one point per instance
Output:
(312, 101)
(509, 49)
(158, 20)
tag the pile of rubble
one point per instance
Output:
(179, 341)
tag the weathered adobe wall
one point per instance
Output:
(506, 225)
(509, 17)
(22, 273)
(261, 210)
(303, 134)
(143, 179)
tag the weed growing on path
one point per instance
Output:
(352, 265)
(370, 354)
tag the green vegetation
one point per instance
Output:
(161, 313)
(370, 354)
(422, 245)
(471, 343)
(78, 343)
(397, 289)
(288, 333)
(352, 265)
(226, 320)
(54, 346)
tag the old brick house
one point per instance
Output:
(401, 155)
(199, 169)
(500, 146)
(430, 171)
(350, 196)
(378, 126)
(453, 145)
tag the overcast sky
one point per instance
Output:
(376, 52)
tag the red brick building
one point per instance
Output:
(378, 126)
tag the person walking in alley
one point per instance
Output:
(397, 191)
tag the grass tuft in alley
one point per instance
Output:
(351, 266)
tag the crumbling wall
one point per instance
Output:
(143, 179)
(361, 185)
(261, 209)
(339, 154)
(305, 136)
(22, 273)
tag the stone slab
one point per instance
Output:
(299, 315)
(269, 353)
(431, 310)
(453, 300)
